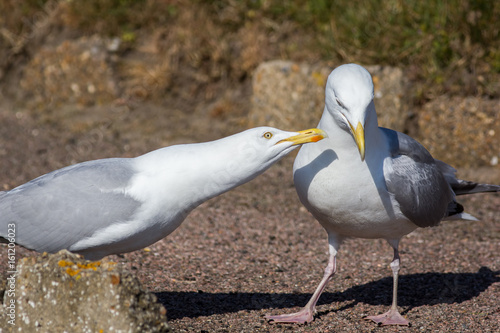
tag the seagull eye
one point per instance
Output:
(268, 135)
(339, 102)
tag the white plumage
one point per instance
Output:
(119, 205)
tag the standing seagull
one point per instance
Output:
(118, 205)
(396, 187)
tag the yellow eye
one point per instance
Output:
(268, 135)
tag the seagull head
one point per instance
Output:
(275, 143)
(260, 147)
(348, 98)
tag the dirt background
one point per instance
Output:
(254, 250)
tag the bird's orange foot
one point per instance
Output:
(391, 317)
(301, 317)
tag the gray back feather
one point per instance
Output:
(416, 181)
(56, 210)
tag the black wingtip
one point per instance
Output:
(468, 187)
(454, 208)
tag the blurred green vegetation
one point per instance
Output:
(448, 46)
(445, 44)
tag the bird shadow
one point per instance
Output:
(414, 290)
(308, 172)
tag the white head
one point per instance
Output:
(258, 148)
(348, 97)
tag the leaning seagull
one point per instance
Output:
(118, 205)
(390, 191)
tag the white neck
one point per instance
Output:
(191, 174)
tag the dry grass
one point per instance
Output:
(447, 47)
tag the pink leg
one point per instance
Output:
(306, 315)
(392, 317)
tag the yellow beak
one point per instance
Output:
(310, 135)
(359, 137)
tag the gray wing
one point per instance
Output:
(416, 181)
(54, 211)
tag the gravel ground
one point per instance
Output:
(256, 250)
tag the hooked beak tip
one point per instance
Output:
(306, 136)
(359, 138)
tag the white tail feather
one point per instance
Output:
(461, 216)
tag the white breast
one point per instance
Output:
(340, 191)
